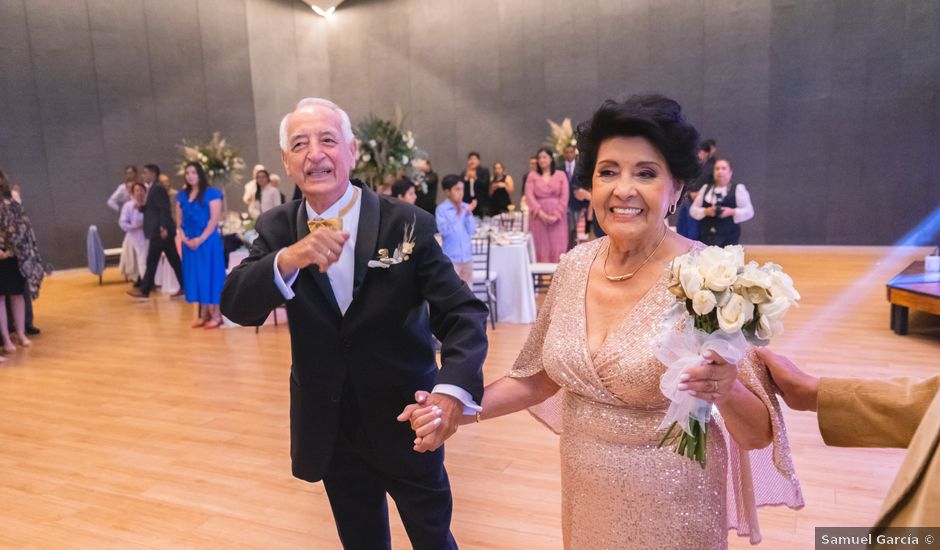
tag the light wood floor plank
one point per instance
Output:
(124, 428)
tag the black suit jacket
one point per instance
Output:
(157, 212)
(381, 348)
(481, 191)
(574, 183)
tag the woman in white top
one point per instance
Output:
(270, 194)
(722, 208)
(122, 194)
(251, 195)
(134, 255)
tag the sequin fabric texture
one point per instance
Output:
(618, 490)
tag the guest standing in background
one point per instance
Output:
(579, 198)
(456, 225)
(132, 222)
(203, 261)
(268, 195)
(533, 167)
(546, 195)
(160, 230)
(722, 207)
(251, 197)
(476, 181)
(686, 225)
(123, 192)
(501, 187)
(21, 266)
(425, 186)
(404, 190)
(31, 329)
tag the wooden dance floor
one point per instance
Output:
(124, 428)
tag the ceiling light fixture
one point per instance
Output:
(325, 8)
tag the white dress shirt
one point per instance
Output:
(742, 212)
(118, 198)
(341, 275)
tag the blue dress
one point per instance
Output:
(203, 268)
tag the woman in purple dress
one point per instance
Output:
(546, 194)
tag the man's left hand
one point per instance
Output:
(434, 418)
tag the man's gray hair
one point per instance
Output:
(311, 104)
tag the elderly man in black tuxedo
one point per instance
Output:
(366, 284)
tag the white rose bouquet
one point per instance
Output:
(731, 304)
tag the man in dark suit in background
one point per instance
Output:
(358, 272)
(579, 198)
(686, 225)
(160, 228)
(476, 189)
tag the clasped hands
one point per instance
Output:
(434, 417)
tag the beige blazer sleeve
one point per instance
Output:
(873, 413)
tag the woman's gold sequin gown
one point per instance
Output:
(618, 490)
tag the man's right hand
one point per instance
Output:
(798, 389)
(322, 248)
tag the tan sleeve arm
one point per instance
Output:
(872, 413)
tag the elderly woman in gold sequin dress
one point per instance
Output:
(588, 369)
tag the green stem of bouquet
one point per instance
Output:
(692, 446)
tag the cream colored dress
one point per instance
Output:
(618, 490)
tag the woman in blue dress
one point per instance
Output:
(203, 260)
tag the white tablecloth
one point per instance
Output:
(166, 277)
(515, 296)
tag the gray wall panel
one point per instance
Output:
(177, 70)
(273, 76)
(22, 151)
(823, 105)
(227, 72)
(64, 67)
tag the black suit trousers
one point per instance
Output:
(161, 246)
(358, 479)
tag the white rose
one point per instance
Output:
(366, 157)
(691, 279)
(735, 314)
(781, 285)
(736, 253)
(775, 309)
(753, 283)
(721, 276)
(767, 329)
(703, 302)
(372, 143)
(404, 159)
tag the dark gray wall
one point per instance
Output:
(89, 86)
(830, 109)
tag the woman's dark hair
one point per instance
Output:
(655, 118)
(136, 184)
(726, 160)
(258, 187)
(400, 187)
(203, 181)
(449, 181)
(551, 155)
(6, 191)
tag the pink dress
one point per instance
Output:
(551, 197)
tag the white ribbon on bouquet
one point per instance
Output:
(682, 350)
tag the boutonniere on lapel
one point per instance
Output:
(402, 253)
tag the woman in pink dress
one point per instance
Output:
(546, 194)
